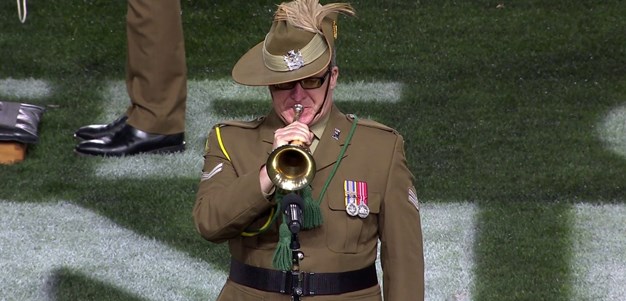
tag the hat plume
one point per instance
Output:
(309, 14)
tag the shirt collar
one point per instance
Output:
(318, 127)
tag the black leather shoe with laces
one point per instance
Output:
(98, 131)
(130, 141)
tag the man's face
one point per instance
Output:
(311, 99)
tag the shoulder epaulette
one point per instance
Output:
(250, 124)
(372, 124)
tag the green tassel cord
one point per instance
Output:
(282, 254)
(312, 214)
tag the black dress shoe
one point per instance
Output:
(97, 131)
(131, 141)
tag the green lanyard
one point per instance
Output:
(339, 158)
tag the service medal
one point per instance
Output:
(364, 211)
(352, 209)
(349, 188)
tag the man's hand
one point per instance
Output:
(297, 131)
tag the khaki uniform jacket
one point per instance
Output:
(229, 201)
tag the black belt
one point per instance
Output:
(312, 283)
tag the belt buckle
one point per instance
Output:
(305, 278)
(285, 282)
(307, 284)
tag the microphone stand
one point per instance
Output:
(296, 256)
(296, 277)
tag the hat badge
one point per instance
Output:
(294, 60)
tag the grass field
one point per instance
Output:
(514, 114)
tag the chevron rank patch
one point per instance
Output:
(210, 174)
(413, 198)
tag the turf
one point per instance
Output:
(504, 106)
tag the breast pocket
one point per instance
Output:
(348, 234)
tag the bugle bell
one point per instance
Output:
(291, 166)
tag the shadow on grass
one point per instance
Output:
(66, 285)
(523, 251)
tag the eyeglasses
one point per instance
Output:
(307, 83)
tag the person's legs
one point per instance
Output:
(156, 82)
(156, 70)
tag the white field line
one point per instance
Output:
(37, 240)
(612, 130)
(599, 261)
(200, 120)
(448, 230)
(25, 88)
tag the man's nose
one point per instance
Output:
(298, 93)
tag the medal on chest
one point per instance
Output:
(356, 198)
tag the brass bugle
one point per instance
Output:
(291, 166)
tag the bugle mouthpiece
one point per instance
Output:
(297, 109)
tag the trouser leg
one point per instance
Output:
(156, 76)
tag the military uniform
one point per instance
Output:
(156, 76)
(230, 201)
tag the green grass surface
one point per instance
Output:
(501, 107)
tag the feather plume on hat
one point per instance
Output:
(309, 14)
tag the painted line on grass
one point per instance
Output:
(200, 119)
(36, 240)
(448, 230)
(348, 91)
(25, 88)
(598, 266)
(612, 130)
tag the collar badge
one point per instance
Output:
(336, 134)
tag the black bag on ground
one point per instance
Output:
(19, 122)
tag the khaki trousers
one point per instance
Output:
(156, 72)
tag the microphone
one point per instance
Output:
(292, 205)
